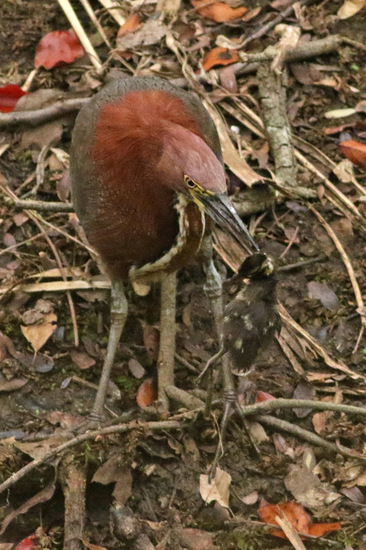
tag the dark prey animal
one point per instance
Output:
(251, 319)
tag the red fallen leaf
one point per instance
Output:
(337, 129)
(28, 543)
(220, 56)
(319, 529)
(9, 96)
(263, 396)
(294, 512)
(218, 11)
(57, 47)
(298, 518)
(147, 393)
(355, 152)
(130, 25)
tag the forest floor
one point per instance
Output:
(144, 487)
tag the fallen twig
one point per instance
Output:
(263, 29)
(58, 286)
(73, 481)
(39, 206)
(274, 404)
(309, 436)
(80, 33)
(40, 116)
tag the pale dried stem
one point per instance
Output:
(314, 344)
(89, 10)
(80, 33)
(290, 532)
(114, 10)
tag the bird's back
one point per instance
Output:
(106, 212)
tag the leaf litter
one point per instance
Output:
(317, 295)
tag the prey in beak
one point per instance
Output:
(220, 209)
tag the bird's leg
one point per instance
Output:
(230, 396)
(119, 307)
(167, 337)
(213, 290)
(213, 285)
(230, 399)
(211, 363)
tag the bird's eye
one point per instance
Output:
(190, 183)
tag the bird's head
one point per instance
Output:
(191, 168)
(256, 266)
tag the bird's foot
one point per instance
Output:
(231, 402)
(92, 422)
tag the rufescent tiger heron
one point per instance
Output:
(146, 170)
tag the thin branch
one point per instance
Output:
(40, 116)
(89, 10)
(80, 33)
(309, 436)
(274, 404)
(39, 206)
(263, 29)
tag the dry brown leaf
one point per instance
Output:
(250, 499)
(13, 384)
(6, 346)
(131, 24)
(147, 393)
(152, 32)
(38, 449)
(350, 8)
(218, 489)
(344, 171)
(114, 471)
(151, 336)
(136, 369)
(320, 529)
(82, 359)
(321, 291)
(355, 152)
(307, 489)
(37, 335)
(92, 546)
(220, 56)
(218, 11)
(320, 420)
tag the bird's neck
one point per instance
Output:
(191, 222)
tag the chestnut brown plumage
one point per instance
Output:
(146, 168)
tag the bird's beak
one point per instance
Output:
(220, 209)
